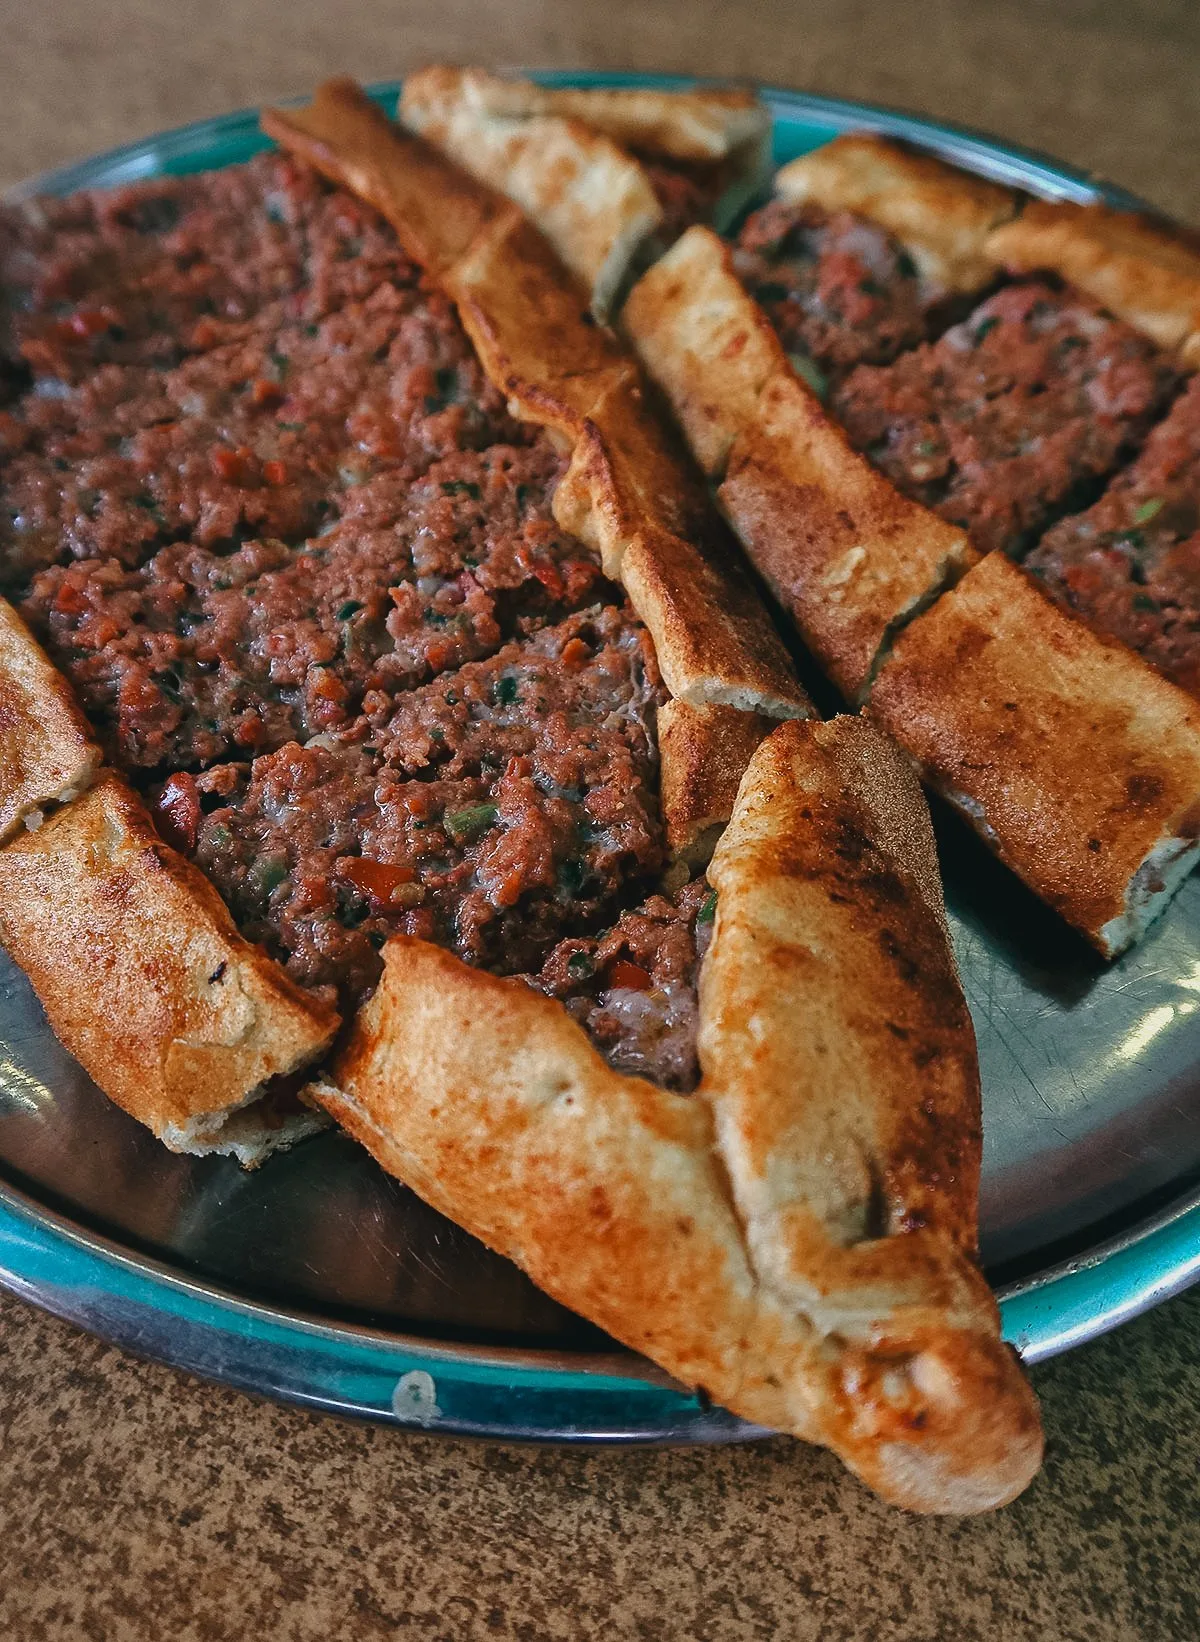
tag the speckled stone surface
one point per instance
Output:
(140, 1506)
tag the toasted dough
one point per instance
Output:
(1144, 271)
(704, 753)
(846, 555)
(627, 493)
(701, 124)
(591, 199)
(942, 215)
(47, 754)
(849, 558)
(725, 134)
(708, 345)
(147, 982)
(1075, 760)
(347, 138)
(786, 1302)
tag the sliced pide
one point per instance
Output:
(590, 198)
(181, 1021)
(809, 1265)
(942, 215)
(564, 157)
(847, 556)
(520, 307)
(1143, 270)
(47, 755)
(1074, 759)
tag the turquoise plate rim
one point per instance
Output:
(159, 1312)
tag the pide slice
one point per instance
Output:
(1144, 270)
(836, 1296)
(47, 754)
(941, 214)
(847, 556)
(605, 174)
(181, 1021)
(1075, 760)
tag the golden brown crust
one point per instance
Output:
(1077, 762)
(942, 215)
(722, 134)
(47, 754)
(627, 492)
(1138, 268)
(849, 558)
(708, 345)
(145, 979)
(829, 996)
(846, 555)
(347, 138)
(615, 1195)
(703, 753)
(592, 200)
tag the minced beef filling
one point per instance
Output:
(489, 810)
(1013, 417)
(634, 988)
(1130, 565)
(839, 290)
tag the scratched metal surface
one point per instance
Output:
(1091, 1074)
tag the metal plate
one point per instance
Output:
(321, 1280)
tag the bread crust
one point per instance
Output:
(1071, 756)
(47, 754)
(846, 555)
(590, 198)
(623, 1201)
(940, 214)
(704, 753)
(725, 133)
(1140, 269)
(627, 490)
(146, 981)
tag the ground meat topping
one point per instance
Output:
(1130, 565)
(152, 272)
(839, 290)
(633, 988)
(1013, 417)
(199, 655)
(493, 811)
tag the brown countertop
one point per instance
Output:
(136, 1504)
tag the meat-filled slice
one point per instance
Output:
(1130, 565)
(493, 811)
(1013, 417)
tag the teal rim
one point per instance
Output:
(163, 1313)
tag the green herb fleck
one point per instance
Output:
(708, 908)
(504, 691)
(810, 373)
(580, 965)
(1143, 601)
(985, 328)
(461, 487)
(350, 608)
(466, 825)
(1149, 510)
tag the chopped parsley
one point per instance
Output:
(350, 608)
(461, 487)
(1148, 510)
(504, 690)
(464, 826)
(708, 908)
